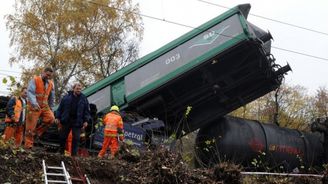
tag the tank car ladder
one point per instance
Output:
(55, 172)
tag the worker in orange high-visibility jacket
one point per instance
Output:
(15, 118)
(112, 132)
(40, 102)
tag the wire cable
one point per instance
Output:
(1, 70)
(270, 19)
(300, 53)
(8, 75)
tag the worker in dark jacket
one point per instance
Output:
(73, 114)
(15, 118)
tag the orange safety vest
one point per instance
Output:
(17, 112)
(112, 122)
(41, 93)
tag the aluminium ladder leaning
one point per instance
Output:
(50, 172)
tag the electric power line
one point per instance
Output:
(184, 25)
(300, 53)
(270, 19)
(8, 75)
(9, 71)
(5, 92)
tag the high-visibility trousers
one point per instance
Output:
(15, 132)
(47, 117)
(109, 142)
(68, 148)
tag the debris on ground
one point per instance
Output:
(131, 166)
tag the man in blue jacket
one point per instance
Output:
(73, 114)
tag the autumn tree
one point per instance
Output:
(294, 107)
(81, 40)
(293, 112)
(320, 101)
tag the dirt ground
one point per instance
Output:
(160, 166)
(151, 166)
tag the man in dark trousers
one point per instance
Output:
(73, 114)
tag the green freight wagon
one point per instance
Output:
(215, 68)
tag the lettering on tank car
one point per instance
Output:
(256, 145)
(285, 149)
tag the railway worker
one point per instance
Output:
(85, 135)
(73, 114)
(40, 102)
(69, 140)
(112, 132)
(15, 118)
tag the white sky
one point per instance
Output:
(308, 72)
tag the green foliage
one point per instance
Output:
(188, 111)
(209, 145)
(302, 167)
(13, 85)
(260, 162)
(171, 139)
(209, 142)
(4, 80)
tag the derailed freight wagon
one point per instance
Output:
(214, 69)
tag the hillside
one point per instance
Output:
(159, 167)
(156, 166)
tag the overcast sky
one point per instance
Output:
(309, 72)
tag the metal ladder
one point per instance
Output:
(49, 172)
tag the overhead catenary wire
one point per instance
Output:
(8, 75)
(5, 92)
(9, 71)
(270, 19)
(300, 53)
(192, 27)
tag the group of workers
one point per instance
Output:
(36, 103)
